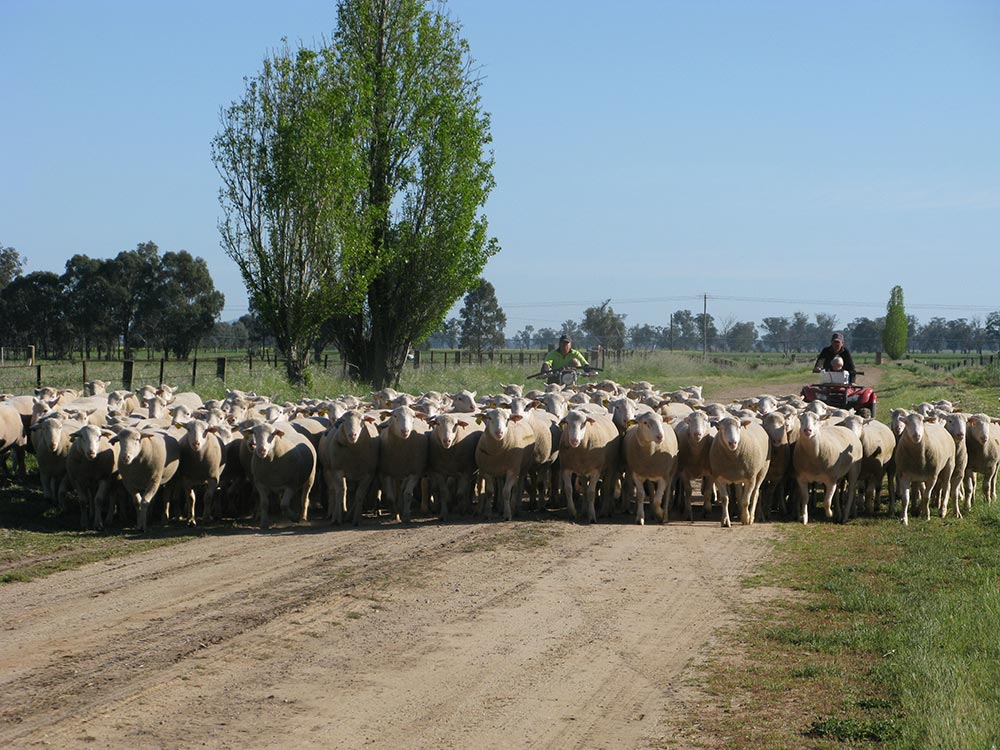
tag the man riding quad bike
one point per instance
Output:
(836, 386)
(564, 363)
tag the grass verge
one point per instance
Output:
(888, 641)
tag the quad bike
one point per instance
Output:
(835, 389)
(566, 375)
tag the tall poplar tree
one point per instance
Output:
(894, 332)
(353, 183)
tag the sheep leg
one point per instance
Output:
(567, 479)
(304, 495)
(640, 500)
(755, 496)
(263, 503)
(336, 491)
(803, 501)
(661, 499)
(510, 482)
(591, 495)
(190, 506)
(903, 484)
(852, 488)
(723, 494)
(209, 499)
(409, 489)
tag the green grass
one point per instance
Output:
(890, 642)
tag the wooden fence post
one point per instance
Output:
(220, 368)
(416, 359)
(194, 370)
(162, 363)
(85, 372)
(127, 367)
(38, 373)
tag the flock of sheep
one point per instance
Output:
(607, 446)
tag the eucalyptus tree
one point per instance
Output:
(482, 319)
(353, 178)
(11, 265)
(604, 326)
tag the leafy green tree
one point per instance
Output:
(864, 334)
(572, 329)
(427, 173)
(683, 332)
(712, 332)
(353, 182)
(33, 311)
(604, 327)
(11, 265)
(88, 289)
(776, 336)
(290, 181)
(741, 337)
(644, 336)
(894, 332)
(482, 319)
(131, 278)
(188, 303)
(546, 338)
(524, 336)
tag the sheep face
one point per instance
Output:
(698, 426)
(731, 431)
(130, 443)
(979, 428)
(497, 422)
(776, 427)
(197, 434)
(350, 424)
(446, 427)
(575, 428)
(956, 425)
(913, 427)
(650, 426)
(49, 432)
(89, 436)
(262, 438)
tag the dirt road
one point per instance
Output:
(536, 633)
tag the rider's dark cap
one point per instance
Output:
(838, 337)
(565, 338)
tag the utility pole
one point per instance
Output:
(704, 331)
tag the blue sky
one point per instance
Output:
(776, 156)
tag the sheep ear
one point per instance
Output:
(516, 417)
(479, 419)
(631, 423)
(462, 424)
(113, 440)
(590, 420)
(420, 415)
(279, 433)
(369, 419)
(385, 414)
(745, 422)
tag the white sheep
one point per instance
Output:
(504, 451)
(826, 453)
(983, 443)
(91, 464)
(282, 460)
(694, 442)
(739, 455)
(403, 457)
(925, 454)
(650, 449)
(451, 457)
(147, 463)
(349, 455)
(589, 448)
